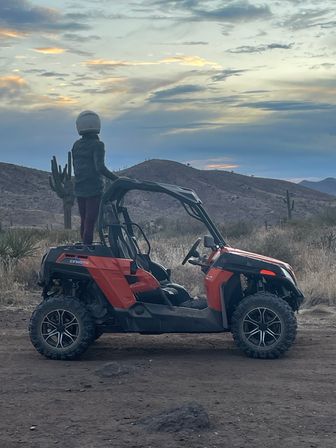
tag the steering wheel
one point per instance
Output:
(193, 252)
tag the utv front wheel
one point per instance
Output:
(61, 328)
(263, 326)
(97, 334)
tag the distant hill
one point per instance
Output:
(26, 199)
(228, 196)
(327, 185)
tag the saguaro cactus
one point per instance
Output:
(61, 183)
(290, 204)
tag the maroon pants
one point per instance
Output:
(88, 210)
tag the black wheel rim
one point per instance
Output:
(60, 329)
(262, 327)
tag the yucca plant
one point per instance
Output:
(16, 245)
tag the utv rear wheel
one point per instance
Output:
(61, 328)
(263, 326)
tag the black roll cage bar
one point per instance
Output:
(187, 197)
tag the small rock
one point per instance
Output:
(188, 417)
(115, 369)
(33, 427)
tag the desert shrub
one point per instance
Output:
(276, 243)
(317, 276)
(237, 229)
(327, 217)
(16, 245)
(56, 237)
(26, 272)
(170, 228)
(301, 230)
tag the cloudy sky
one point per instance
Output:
(244, 85)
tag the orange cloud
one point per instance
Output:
(107, 63)
(12, 82)
(12, 34)
(195, 61)
(220, 166)
(50, 50)
(65, 101)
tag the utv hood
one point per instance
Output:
(237, 260)
(254, 256)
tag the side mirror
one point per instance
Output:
(209, 242)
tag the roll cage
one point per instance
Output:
(114, 216)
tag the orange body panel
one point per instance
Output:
(145, 282)
(213, 282)
(110, 275)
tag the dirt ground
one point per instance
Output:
(289, 402)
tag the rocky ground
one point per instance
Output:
(169, 391)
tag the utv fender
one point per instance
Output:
(231, 296)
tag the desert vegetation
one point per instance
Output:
(308, 245)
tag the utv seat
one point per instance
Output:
(123, 247)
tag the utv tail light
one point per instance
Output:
(266, 272)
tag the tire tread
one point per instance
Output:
(87, 330)
(287, 313)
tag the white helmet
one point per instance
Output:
(88, 121)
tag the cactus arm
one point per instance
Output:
(61, 183)
(51, 183)
(69, 165)
(57, 178)
(64, 173)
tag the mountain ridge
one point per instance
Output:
(26, 198)
(327, 185)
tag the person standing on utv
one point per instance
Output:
(88, 155)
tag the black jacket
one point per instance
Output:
(88, 155)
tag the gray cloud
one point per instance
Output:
(225, 74)
(261, 48)
(181, 95)
(197, 101)
(53, 74)
(234, 12)
(200, 42)
(12, 88)
(288, 105)
(187, 43)
(307, 18)
(23, 15)
(200, 10)
(79, 38)
(175, 91)
(261, 148)
(325, 65)
(187, 4)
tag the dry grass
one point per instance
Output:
(18, 277)
(308, 246)
(305, 250)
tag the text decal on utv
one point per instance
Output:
(113, 286)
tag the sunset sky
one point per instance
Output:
(248, 86)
